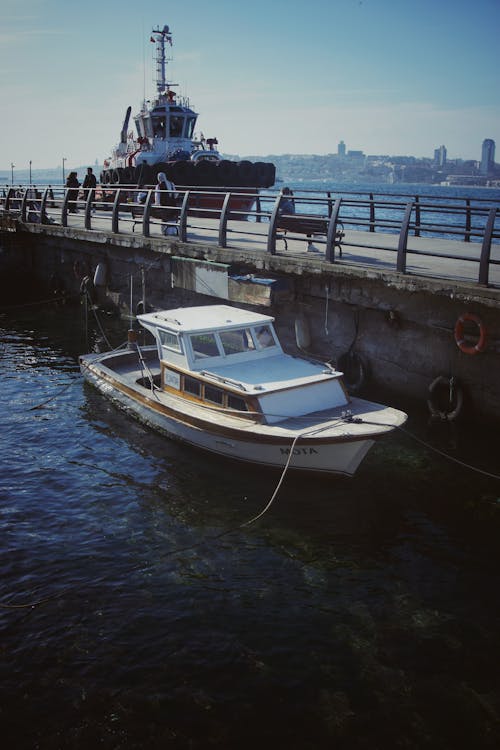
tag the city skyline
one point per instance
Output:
(386, 77)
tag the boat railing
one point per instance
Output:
(341, 222)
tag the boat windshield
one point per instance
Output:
(237, 341)
(204, 345)
(191, 122)
(265, 336)
(176, 124)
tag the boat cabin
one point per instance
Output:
(233, 359)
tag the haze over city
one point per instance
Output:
(387, 77)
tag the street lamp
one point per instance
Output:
(30, 172)
(12, 173)
(64, 159)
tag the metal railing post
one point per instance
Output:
(88, 208)
(64, 208)
(183, 217)
(271, 235)
(372, 213)
(43, 204)
(116, 207)
(467, 220)
(24, 202)
(147, 214)
(332, 232)
(224, 214)
(258, 209)
(403, 239)
(417, 217)
(484, 261)
(10, 194)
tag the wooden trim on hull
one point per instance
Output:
(228, 432)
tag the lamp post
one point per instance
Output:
(64, 159)
(12, 173)
(30, 172)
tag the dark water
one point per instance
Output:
(359, 613)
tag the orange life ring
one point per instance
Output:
(459, 334)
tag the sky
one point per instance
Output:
(397, 77)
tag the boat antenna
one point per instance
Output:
(159, 37)
(143, 65)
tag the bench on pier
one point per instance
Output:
(308, 225)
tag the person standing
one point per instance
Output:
(165, 197)
(72, 184)
(89, 185)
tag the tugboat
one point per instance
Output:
(165, 142)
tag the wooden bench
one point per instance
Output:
(308, 225)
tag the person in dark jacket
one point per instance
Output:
(89, 184)
(72, 184)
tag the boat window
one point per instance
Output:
(191, 122)
(204, 345)
(148, 129)
(170, 340)
(235, 402)
(214, 395)
(159, 127)
(264, 336)
(234, 342)
(176, 123)
(191, 385)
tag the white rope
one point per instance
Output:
(280, 482)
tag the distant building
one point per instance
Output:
(440, 156)
(341, 149)
(487, 156)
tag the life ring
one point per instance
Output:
(355, 370)
(446, 398)
(459, 334)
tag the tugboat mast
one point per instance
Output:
(159, 37)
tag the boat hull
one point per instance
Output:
(340, 456)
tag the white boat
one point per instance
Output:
(218, 379)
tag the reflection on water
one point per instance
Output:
(138, 613)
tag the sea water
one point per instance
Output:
(137, 612)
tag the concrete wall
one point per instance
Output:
(402, 326)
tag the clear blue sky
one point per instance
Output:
(267, 77)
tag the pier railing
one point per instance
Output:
(343, 227)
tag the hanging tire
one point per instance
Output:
(270, 176)
(355, 370)
(260, 169)
(205, 171)
(143, 175)
(446, 399)
(245, 173)
(126, 176)
(227, 173)
(184, 173)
